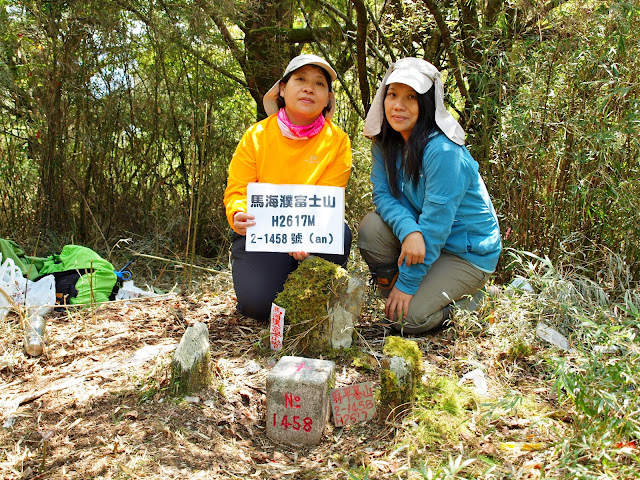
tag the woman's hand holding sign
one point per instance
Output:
(242, 221)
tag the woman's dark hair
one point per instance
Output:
(392, 144)
(285, 79)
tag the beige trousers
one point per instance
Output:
(450, 278)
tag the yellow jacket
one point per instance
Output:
(264, 155)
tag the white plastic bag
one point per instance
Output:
(545, 332)
(129, 290)
(24, 292)
(9, 271)
(10, 275)
(479, 381)
(40, 294)
(520, 283)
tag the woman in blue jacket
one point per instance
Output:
(434, 237)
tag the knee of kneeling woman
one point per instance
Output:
(369, 225)
(255, 308)
(412, 325)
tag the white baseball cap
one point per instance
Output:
(420, 83)
(270, 99)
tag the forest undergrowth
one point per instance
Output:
(548, 411)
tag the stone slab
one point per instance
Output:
(298, 400)
(344, 313)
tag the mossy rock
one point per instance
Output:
(407, 349)
(400, 375)
(307, 294)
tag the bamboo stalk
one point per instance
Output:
(177, 262)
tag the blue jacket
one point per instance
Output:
(450, 206)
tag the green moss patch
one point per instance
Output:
(185, 382)
(407, 349)
(363, 362)
(442, 410)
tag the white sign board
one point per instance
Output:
(295, 218)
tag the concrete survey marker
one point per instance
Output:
(298, 400)
(352, 404)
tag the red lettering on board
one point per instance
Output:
(352, 404)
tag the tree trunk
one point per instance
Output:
(361, 52)
(51, 155)
(266, 58)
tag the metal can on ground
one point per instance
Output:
(34, 335)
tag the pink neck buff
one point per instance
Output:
(299, 132)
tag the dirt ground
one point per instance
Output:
(96, 404)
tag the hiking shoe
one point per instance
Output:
(384, 277)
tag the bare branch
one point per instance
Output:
(230, 41)
(353, 102)
(336, 12)
(298, 35)
(379, 55)
(384, 39)
(130, 8)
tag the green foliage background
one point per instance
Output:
(119, 118)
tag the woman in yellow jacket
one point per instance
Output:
(296, 144)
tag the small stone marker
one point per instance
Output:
(298, 400)
(190, 368)
(352, 404)
(400, 375)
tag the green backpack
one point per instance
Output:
(82, 276)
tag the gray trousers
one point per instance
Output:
(450, 278)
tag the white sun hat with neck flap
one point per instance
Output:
(270, 99)
(419, 75)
